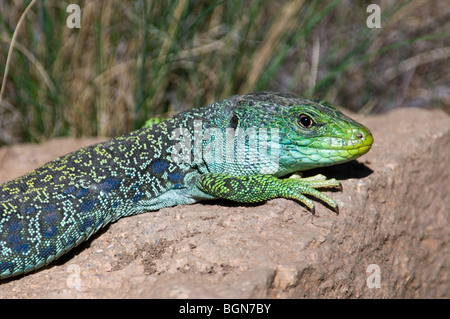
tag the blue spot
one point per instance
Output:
(14, 239)
(86, 224)
(159, 166)
(70, 190)
(50, 231)
(176, 176)
(6, 267)
(49, 208)
(47, 252)
(137, 197)
(70, 241)
(177, 185)
(99, 223)
(22, 248)
(82, 192)
(51, 217)
(15, 227)
(110, 184)
(87, 206)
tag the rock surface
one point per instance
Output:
(390, 240)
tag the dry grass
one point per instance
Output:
(132, 60)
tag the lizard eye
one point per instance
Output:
(305, 121)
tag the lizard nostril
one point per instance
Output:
(359, 135)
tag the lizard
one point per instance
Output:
(245, 148)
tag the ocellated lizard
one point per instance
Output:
(239, 148)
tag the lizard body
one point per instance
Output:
(238, 149)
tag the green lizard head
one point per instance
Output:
(311, 133)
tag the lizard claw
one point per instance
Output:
(336, 210)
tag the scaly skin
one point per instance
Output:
(238, 149)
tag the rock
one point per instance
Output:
(390, 240)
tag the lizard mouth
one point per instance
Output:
(332, 150)
(360, 143)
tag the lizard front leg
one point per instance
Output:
(259, 187)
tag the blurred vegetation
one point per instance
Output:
(132, 60)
